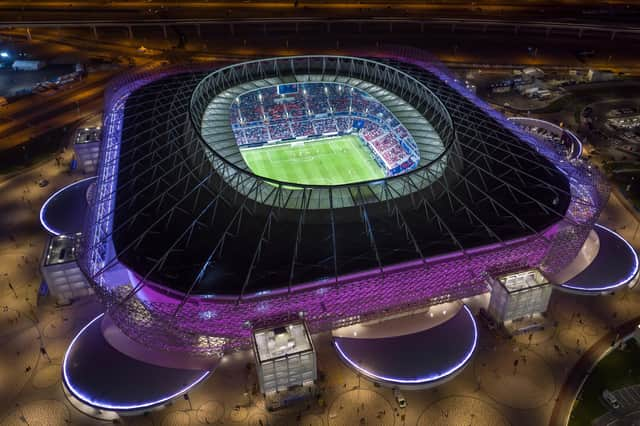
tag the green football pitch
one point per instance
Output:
(330, 161)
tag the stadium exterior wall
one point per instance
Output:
(589, 190)
(334, 303)
(157, 317)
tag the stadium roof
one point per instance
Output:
(188, 218)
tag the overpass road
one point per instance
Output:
(33, 116)
(57, 12)
(197, 31)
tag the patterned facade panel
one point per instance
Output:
(325, 306)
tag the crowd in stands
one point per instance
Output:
(371, 131)
(388, 148)
(401, 131)
(280, 131)
(325, 126)
(252, 108)
(320, 109)
(344, 124)
(255, 133)
(302, 127)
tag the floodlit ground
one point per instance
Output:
(331, 161)
(490, 390)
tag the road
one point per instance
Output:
(37, 114)
(46, 113)
(463, 46)
(88, 10)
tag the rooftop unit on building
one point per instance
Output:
(285, 357)
(519, 295)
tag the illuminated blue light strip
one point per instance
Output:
(431, 378)
(44, 223)
(626, 280)
(107, 405)
(577, 139)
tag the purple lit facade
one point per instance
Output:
(354, 298)
(158, 317)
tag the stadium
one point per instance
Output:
(321, 192)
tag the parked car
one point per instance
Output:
(610, 399)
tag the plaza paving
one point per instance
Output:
(491, 390)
